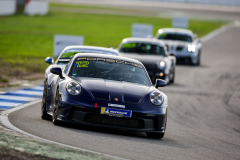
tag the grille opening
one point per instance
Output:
(116, 121)
(179, 48)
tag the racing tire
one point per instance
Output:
(54, 114)
(172, 80)
(44, 114)
(199, 59)
(155, 135)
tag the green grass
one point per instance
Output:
(25, 41)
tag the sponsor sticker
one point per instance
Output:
(116, 112)
(82, 63)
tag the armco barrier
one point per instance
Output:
(7, 7)
(36, 7)
(210, 2)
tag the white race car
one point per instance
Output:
(181, 42)
(151, 52)
(70, 51)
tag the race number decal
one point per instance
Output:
(82, 64)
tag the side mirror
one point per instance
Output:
(195, 36)
(49, 60)
(172, 54)
(160, 83)
(167, 53)
(57, 71)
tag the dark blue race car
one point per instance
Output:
(106, 91)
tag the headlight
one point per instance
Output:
(73, 88)
(156, 98)
(191, 48)
(161, 64)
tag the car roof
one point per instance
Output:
(176, 30)
(143, 40)
(91, 47)
(107, 56)
(75, 47)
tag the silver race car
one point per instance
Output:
(152, 53)
(70, 51)
(183, 43)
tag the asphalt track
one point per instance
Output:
(203, 113)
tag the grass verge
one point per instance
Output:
(14, 145)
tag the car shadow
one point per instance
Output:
(182, 64)
(121, 134)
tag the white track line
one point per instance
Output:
(219, 31)
(5, 122)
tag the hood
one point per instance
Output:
(145, 59)
(115, 91)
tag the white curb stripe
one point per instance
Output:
(5, 122)
(38, 88)
(27, 92)
(9, 104)
(17, 98)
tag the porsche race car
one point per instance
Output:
(105, 91)
(151, 52)
(70, 51)
(183, 43)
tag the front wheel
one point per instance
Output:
(172, 76)
(196, 62)
(44, 115)
(155, 135)
(199, 59)
(54, 116)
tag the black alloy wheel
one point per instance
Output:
(157, 135)
(199, 58)
(54, 116)
(173, 75)
(44, 114)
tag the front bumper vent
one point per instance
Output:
(116, 121)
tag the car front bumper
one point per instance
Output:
(182, 56)
(142, 122)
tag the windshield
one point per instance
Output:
(67, 54)
(142, 48)
(175, 36)
(109, 69)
